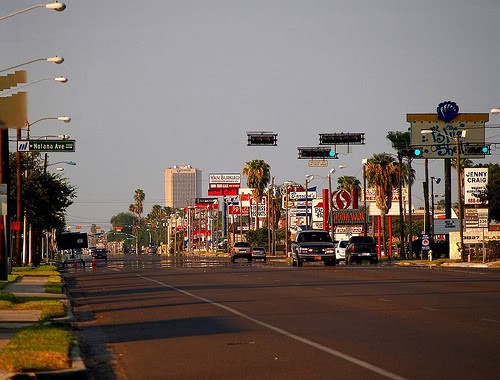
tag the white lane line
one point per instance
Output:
(286, 333)
(429, 308)
(384, 300)
(489, 320)
(277, 280)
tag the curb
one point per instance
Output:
(78, 371)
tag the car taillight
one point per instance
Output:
(351, 248)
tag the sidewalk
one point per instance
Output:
(11, 321)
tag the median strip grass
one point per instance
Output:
(38, 348)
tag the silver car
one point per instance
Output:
(259, 253)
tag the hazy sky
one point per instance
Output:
(158, 83)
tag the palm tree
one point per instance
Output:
(348, 182)
(401, 142)
(258, 174)
(137, 208)
(383, 175)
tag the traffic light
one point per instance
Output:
(411, 152)
(319, 152)
(417, 152)
(262, 139)
(341, 138)
(477, 149)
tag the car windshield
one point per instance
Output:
(314, 237)
(242, 244)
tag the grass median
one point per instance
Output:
(38, 348)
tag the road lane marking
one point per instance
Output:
(384, 300)
(286, 333)
(429, 308)
(489, 320)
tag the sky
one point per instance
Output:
(159, 83)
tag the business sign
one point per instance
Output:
(222, 192)
(370, 194)
(224, 181)
(341, 200)
(445, 226)
(349, 217)
(46, 146)
(203, 203)
(261, 211)
(317, 210)
(442, 129)
(475, 182)
(295, 195)
(238, 210)
(476, 218)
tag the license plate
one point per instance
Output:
(365, 254)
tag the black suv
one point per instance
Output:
(241, 249)
(361, 248)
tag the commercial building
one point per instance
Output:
(182, 185)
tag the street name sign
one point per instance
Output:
(317, 163)
(46, 146)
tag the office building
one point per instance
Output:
(182, 185)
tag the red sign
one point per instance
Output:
(341, 200)
(15, 226)
(236, 210)
(228, 192)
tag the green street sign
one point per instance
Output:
(46, 146)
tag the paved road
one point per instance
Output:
(161, 318)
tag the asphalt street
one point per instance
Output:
(205, 318)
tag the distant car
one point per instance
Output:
(259, 253)
(361, 248)
(152, 249)
(100, 254)
(241, 249)
(340, 247)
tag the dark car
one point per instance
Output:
(241, 250)
(361, 248)
(100, 254)
(312, 245)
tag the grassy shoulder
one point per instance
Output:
(38, 348)
(49, 308)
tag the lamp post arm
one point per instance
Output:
(57, 79)
(55, 6)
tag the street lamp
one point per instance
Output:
(59, 7)
(495, 111)
(57, 79)
(56, 59)
(309, 178)
(437, 180)
(330, 214)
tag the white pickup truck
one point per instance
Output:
(340, 247)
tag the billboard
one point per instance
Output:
(475, 182)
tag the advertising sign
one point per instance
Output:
(475, 182)
(349, 217)
(370, 194)
(341, 199)
(295, 195)
(441, 130)
(476, 218)
(445, 226)
(222, 192)
(224, 181)
(211, 203)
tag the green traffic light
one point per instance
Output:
(485, 149)
(418, 152)
(332, 153)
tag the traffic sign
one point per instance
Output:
(425, 243)
(317, 163)
(46, 146)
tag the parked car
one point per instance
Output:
(361, 248)
(241, 249)
(100, 254)
(340, 247)
(312, 245)
(259, 253)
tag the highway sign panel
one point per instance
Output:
(46, 146)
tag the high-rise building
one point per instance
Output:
(182, 185)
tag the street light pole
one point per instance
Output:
(59, 7)
(458, 139)
(56, 59)
(308, 179)
(437, 180)
(330, 213)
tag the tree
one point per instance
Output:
(258, 174)
(383, 175)
(137, 208)
(348, 182)
(45, 196)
